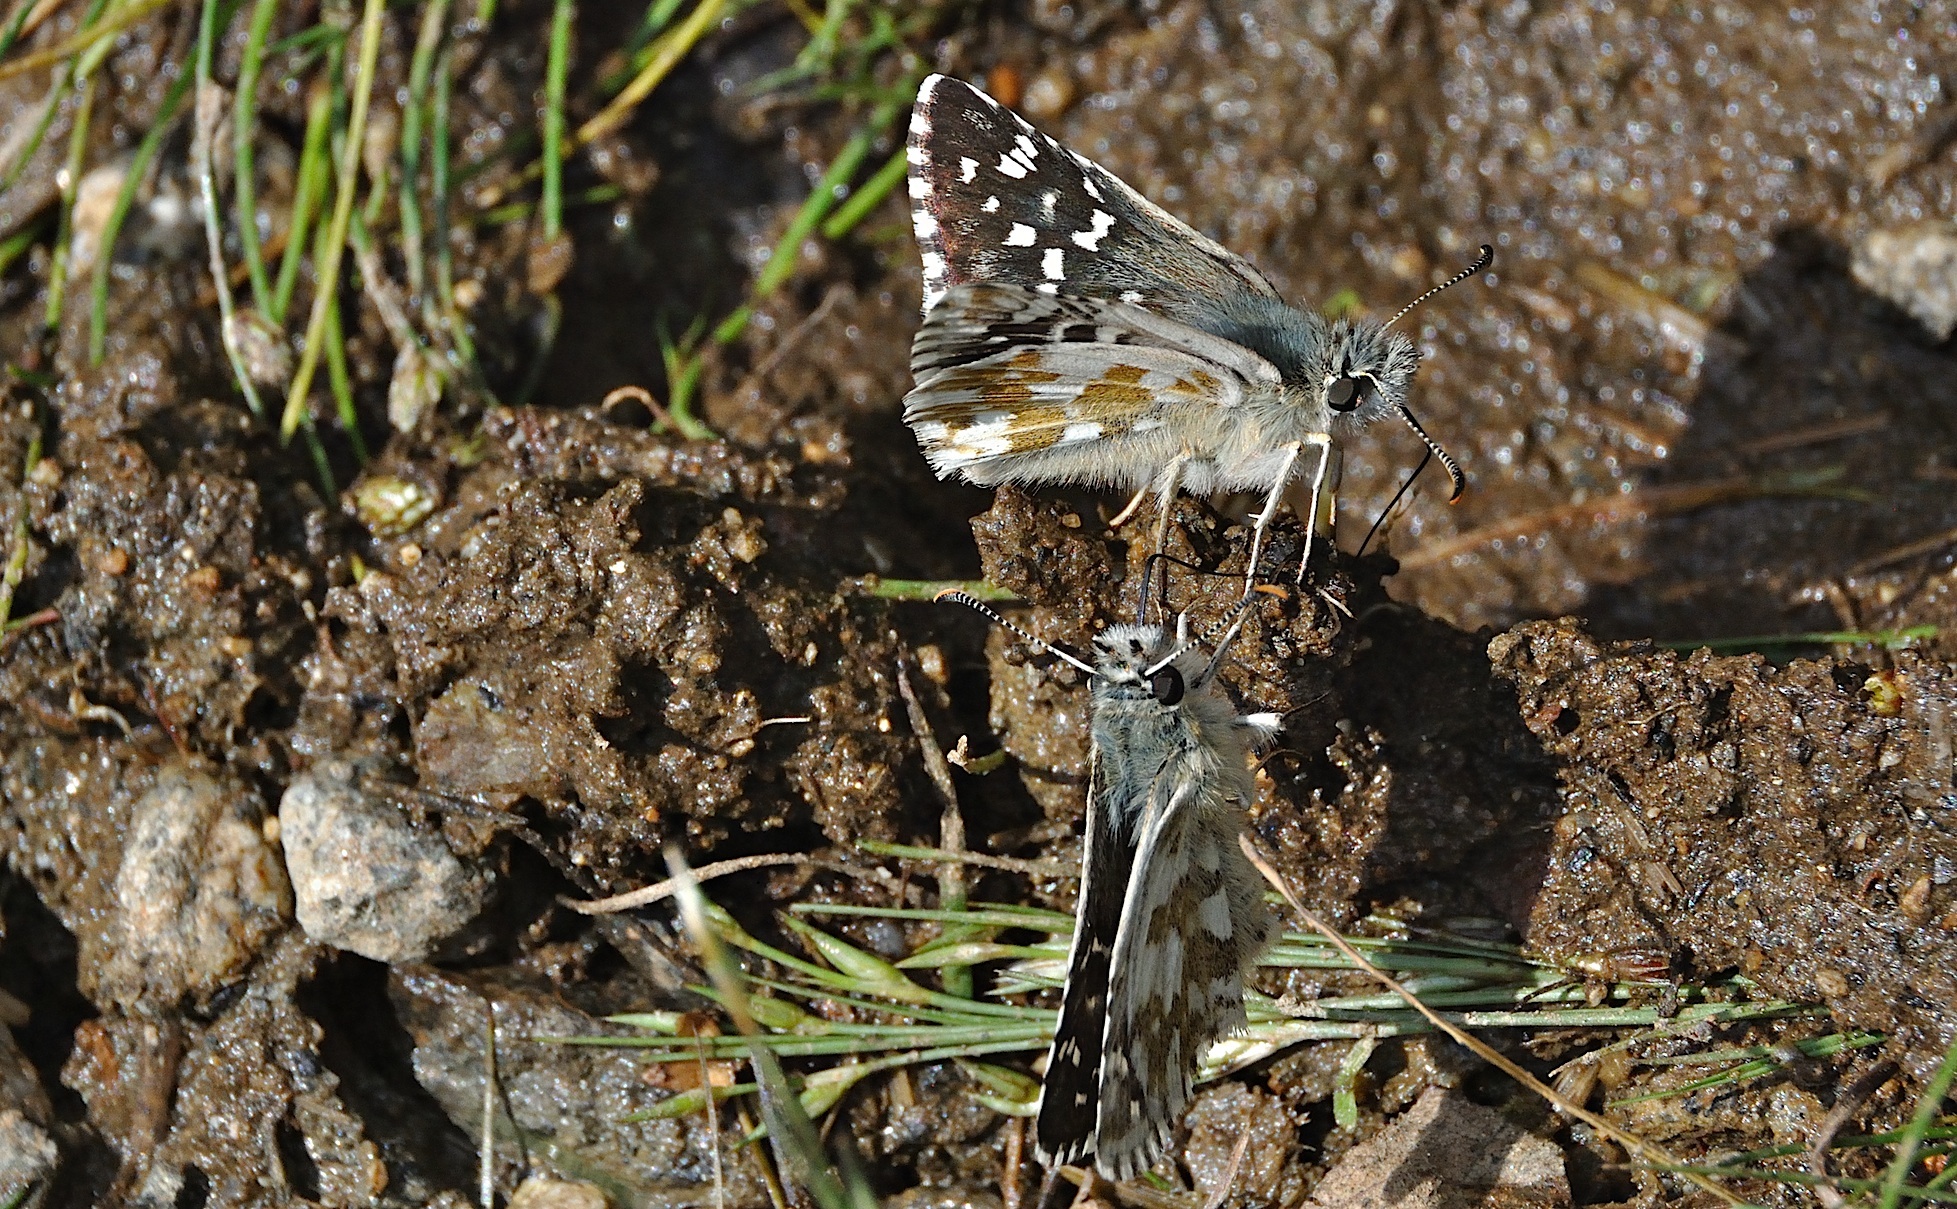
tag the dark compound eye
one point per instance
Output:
(1166, 685)
(1345, 394)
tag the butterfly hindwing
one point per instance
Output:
(995, 200)
(1011, 382)
(1191, 926)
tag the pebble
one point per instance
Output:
(27, 1153)
(198, 891)
(365, 878)
(1914, 267)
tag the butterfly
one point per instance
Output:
(1075, 332)
(1171, 914)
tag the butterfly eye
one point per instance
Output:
(1344, 394)
(1166, 685)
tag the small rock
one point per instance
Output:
(1914, 267)
(199, 891)
(1447, 1152)
(539, 1193)
(27, 1153)
(365, 879)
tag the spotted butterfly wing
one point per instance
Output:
(1169, 917)
(1009, 378)
(995, 200)
(1189, 934)
(1070, 1096)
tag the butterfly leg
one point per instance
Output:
(1323, 443)
(1129, 509)
(1263, 518)
(1165, 498)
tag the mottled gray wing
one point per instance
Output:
(1070, 1092)
(1193, 923)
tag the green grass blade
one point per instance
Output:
(98, 310)
(328, 280)
(315, 167)
(557, 70)
(243, 130)
(1927, 1107)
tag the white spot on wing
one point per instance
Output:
(991, 205)
(916, 156)
(920, 122)
(1131, 295)
(1091, 239)
(1012, 167)
(1021, 236)
(1053, 265)
(1214, 915)
(926, 224)
(919, 188)
(1084, 430)
(1049, 204)
(967, 169)
(1027, 148)
(1087, 182)
(1047, 287)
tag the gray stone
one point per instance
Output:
(27, 1153)
(1914, 267)
(1447, 1152)
(365, 878)
(198, 892)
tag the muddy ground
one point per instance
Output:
(291, 784)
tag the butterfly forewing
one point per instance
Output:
(995, 200)
(1071, 1094)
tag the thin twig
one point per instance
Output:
(1005, 864)
(659, 891)
(1015, 1159)
(1816, 434)
(1905, 552)
(206, 114)
(713, 1122)
(1847, 1103)
(1649, 1152)
(1612, 509)
(1222, 1192)
(486, 1186)
(951, 824)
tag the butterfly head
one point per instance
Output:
(1363, 373)
(1140, 662)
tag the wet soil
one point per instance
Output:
(1690, 398)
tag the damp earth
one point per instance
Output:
(307, 749)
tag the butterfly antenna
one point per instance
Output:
(1482, 261)
(1434, 447)
(1233, 619)
(1148, 574)
(970, 601)
(1394, 502)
